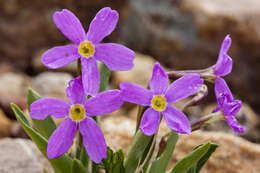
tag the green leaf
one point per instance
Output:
(78, 167)
(45, 127)
(196, 168)
(161, 163)
(104, 76)
(114, 163)
(136, 151)
(61, 164)
(187, 162)
(45, 170)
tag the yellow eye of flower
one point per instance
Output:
(86, 49)
(77, 112)
(159, 103)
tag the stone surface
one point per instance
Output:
(13, 88)
(51, 84)
(5, 125)
(234, 155)
(20, 156)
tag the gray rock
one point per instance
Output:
(20, 156)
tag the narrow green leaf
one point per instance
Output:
(45, 170)
(78, 167)
(136, 151)
(187, 162)
(45, 127)
(61, 164)
(196, 168)
(84, 158)
(161, 163)
(104, 76)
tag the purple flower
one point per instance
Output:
(77, 113)
(224, 63)
(88, 48)
(159, 99)
(227, 105)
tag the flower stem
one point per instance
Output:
(78, 67)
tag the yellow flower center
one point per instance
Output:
(159, 103)
(77, 112)
(86, 49)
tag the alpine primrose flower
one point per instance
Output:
(227, 105)
(159, 98)
(77, 113)
(88, 48)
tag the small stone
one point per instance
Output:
(5, 125)
(21, 156)
(51, 84)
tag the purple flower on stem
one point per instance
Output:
(159, 98)
(224, 63)
(227, 105)
(88, 48)
(77, 113)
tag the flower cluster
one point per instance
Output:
(86, 101)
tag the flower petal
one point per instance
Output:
(104, 103)
(69, 25)
(102, 25)
(150, 122)
(61, 139)
(60, 56)
(93, 140)
(159, 80)
(224, 62)
(223, 66)
(232, 122)
(231, 108)
(44, 107)
(75, 91)
(183, 87)
(115, 56)
(137, 94)
(222, 90)
(90, 76)
(176, 120)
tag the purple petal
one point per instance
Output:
(75, 91)
(104, 103)
(134, 93)
(159, 80)
(60, 56)
(61, 139)
(176, 120)
(115, 56)
(231, 108)
(44, 107)
(222, 91)
(232, 122)
(224, 62)
(223, 66)
(93, 140)
(183, 87)
(90, 76)
(150, 122)
(102, 25)
(69, 25)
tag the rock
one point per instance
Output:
(29, 158)
(5, 125)
(233, 155)
(13, 88)
(140, 74)
(51, 84)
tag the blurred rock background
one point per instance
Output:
(180, 34)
